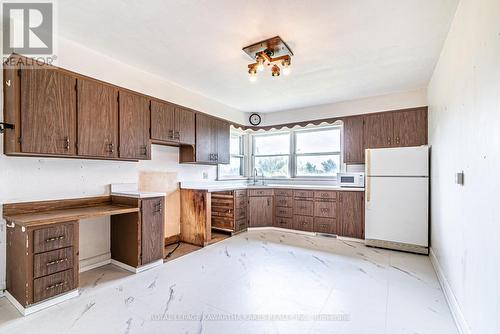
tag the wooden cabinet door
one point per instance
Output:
(378, 130)
(97, 119)
(162, 121)
(410, 127)
(351, 207)
(134, 126)
(354, 151)
(152, 229)
(185, 126)
(223, 137)
(260, 211)
(48, 111)
(206, 139)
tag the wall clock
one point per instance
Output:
(255, 119)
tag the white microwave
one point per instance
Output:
(356, 180)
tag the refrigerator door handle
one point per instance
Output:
(368, 173)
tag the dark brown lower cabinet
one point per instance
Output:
(137, 238)
(42, 261)
(260, 210)
(229, 210)
(351, 209)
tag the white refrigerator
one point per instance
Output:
(397, 198)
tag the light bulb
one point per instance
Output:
(260, 67)
(286, 70)
(252, 78)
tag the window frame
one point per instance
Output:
(243, 156)
(292, 156)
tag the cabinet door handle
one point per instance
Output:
(66, 143)
(177, 135)
(388, 140)
(397, 140)
(268, 202)
(144, 150)
(111, 148)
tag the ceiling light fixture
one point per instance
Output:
(270, 52)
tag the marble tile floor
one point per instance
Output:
(262, 281)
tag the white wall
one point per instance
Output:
(464, 130)
(402, 100)
(28, 179)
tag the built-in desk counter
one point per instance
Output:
(43, 244)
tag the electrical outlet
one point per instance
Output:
(459, 178)
(205, 176)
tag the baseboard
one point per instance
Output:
(138, 269)
(41, 305)
(453, 304)
(94, 262)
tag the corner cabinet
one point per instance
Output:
(211, 142)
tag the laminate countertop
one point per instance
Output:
(212, 187)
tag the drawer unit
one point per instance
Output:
(303, 194)
(303, 207)
(53, 285)
(283, 222)
(283, 192)
(240, 193)
(303, 223)
(325, 195)
(325, 225)
(282, 201)
(240, 202)
(284, 212)
(52, 262)
(260, 192)
(240, 213)
(325, 209)
(49, 238)
(240, 225)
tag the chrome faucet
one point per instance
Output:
(255, 174)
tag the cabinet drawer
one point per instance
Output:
(303, 223)
(241, 202)
(240, 225)
(53, 285)
(55, 237)
(283, 192)
(326, 195)
(325, 209)
(240, 213)
(303, 193)
(240, 193)
(284, 212)
(282, 201)
(325, 225)
(52, 262)
(260, 192)
(223, 222)
(303, 208)
(283, 222)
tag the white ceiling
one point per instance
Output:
(344, 49)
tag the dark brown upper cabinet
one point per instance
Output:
(97, 119)
(48, 111)
(379, 130)
(134, 126)
(354, 152)
(212, 142)
(396, 129)
(172, 124)
(410, 127)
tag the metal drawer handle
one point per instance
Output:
(303, 223)
(57, 285)
(61, 237)
(66, 143)
(324, 210)
(171, 134)
(57, 261)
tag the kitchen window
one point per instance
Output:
(302, 153)
(237, 148)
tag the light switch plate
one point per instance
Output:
(459, 178)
